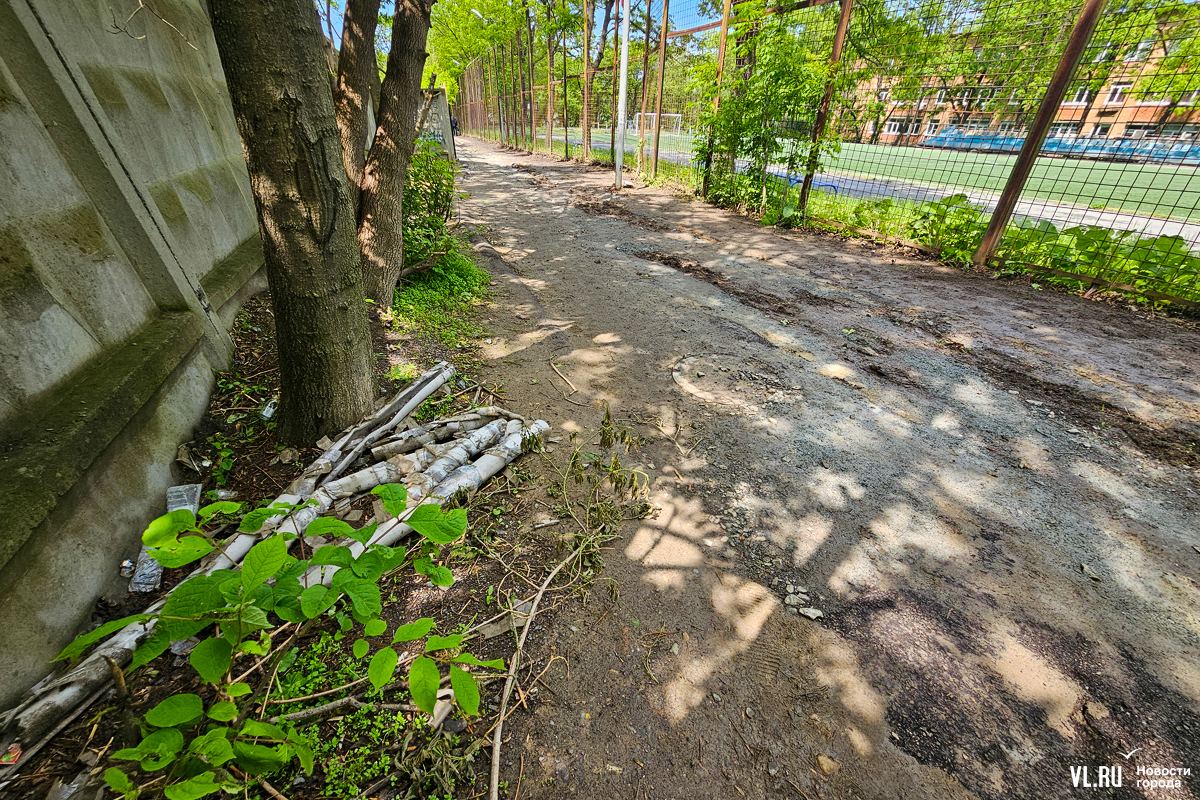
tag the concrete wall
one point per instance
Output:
(128, 239)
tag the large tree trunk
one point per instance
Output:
(352, 89)
(380, 237)
(271, 53)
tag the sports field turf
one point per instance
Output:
(1161, 190)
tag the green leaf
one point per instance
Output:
(263, 561)
(466, 690)
(195, 597)
(119, 782)
(392, 556)
(328, 526)
(423, 682)
(467, 658)
(203, 784)
(254, 520)
(211, 658)
(181, 552)
(238, 689)
(437, 525)
(441, 576)
(258, 728)
(316, 599)
(394, 497)
(303, 752)
(365, 533)
(177, 709)
(167, 528)
(436, 643)
(360, 648)
(150, 649)
(365, 596)
(258, 759)
(223, 711)
(226, 507)
(369, 566)
(382, 667)
(213, 747)
(374, 627)
(413, 630)
(166, 742)
(83, 642)
(332, 554)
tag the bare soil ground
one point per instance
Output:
(989, 491)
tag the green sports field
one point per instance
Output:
(1158, 190)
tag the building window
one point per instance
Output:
(1141, 52)
(1082, 97)
(1009, 128)
(1158, 99)
(931, 128)
(1101, 130)
(942, 96)
(1064, 129)
(1117, 94)
(1189, 98)
(901, 127)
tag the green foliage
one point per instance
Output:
(196, 747)
(766, 113)
(428, 201)
(951, 226)
(433, 304)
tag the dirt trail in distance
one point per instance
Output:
(989, 492)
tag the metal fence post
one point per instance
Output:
(641, 162)
(662, 66)
(717, 99)
(835, 57)
(1081, 34)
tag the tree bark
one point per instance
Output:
(380, 237)
(352, 89)
(271, 51)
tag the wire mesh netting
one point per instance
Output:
(914, 131)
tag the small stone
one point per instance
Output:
(827, 765)
(824, 463)
(791, 589)
(772, 768)
(776, 582)
(716, 697)
(1073, 430)
(750, 713)
(699, 374)
(812, 613)
(792, 600)
(786, 460)
(791, 611)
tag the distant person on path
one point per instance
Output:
(453, 126)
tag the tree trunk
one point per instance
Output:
(271, 52)
(380, 237)
(352, 89)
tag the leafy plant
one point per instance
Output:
(951, 226)
(202, 747)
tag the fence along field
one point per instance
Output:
(1071, 128)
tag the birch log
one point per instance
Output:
(468, 477)
(435, 382)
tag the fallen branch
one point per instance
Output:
(554, 367)
(512, 672)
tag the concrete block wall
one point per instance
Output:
(128, 239)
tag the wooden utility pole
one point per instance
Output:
(1056, 92)
(835, 57)
(662, 68)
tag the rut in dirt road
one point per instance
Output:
(984, 496)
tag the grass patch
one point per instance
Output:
(436, 305)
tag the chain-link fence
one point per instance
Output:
(1057, 135)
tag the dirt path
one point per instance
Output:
(990, 492)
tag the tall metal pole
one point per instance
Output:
(622, 101)
(585, 113)
(716, 99)
(1023, 166)
(662, 66)
(566, 122)
(839, 40)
